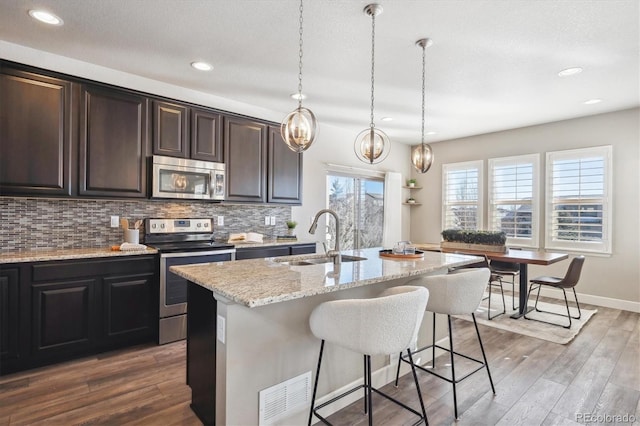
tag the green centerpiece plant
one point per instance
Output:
(464, 239)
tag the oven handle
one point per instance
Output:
(200, 253)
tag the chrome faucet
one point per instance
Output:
(335, 254)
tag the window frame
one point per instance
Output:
(604, 247)
(466, 165)
(492, 163)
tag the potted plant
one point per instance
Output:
(291, 225)
(411, 183)
(461, 239)
(411, 200)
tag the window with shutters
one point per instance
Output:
(462, 195)
(513, 198)
(578, 212)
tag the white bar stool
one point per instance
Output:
(383, 325)
(459, 293)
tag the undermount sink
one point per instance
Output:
(323, 259)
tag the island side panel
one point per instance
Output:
(201, 352)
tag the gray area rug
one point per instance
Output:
(535, 329)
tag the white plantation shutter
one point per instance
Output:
(462, 195)
(579, 200)
(513, 198)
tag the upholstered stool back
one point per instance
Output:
(379, 326)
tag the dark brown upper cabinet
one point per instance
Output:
(35, 134)
(184, 132)
(245, 155)
(113, 143)
(206, 135)
(170, 129)
(284, 171)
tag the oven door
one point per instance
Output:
(173, 289)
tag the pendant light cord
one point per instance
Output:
(373, 50)
(300, 61)
(423, 90)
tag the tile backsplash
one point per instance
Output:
(42, 224)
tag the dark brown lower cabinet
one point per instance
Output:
(59, 310)
(63, 318)
(274, 251)
(127, 308)
(9, 315)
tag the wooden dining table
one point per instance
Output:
(523, 258)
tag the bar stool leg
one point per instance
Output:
(484, 357)
(368, 362)
(315, 385)
(453, 370)
(415, 378)
(364, 358)
(398, 370)
(433, 343)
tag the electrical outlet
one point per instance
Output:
(220, 220)
(273, 220)
(220, 328)
(267, 220)
(115, 221)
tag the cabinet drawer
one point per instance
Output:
(69, 269)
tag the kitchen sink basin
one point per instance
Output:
(323, 259)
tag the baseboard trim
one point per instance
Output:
(606, 302)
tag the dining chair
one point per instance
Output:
(570, 280)
(383, 325)
(507, 269)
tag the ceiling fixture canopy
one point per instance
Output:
(300, 128)
(422, 155)
(372, 145)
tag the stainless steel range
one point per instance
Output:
(181, 242)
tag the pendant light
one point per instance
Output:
(422, 155)
(372, 145)
(300, 127)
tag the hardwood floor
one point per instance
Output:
(537, 383)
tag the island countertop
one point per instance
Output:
(259, 282)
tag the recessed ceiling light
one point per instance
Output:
(298, 96)
(387, 119)
(592, 101)
(46, 17)
(432, 133)
(570, 71)
(202, 66)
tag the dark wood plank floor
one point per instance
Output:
(537, 383)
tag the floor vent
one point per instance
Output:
(279, 401)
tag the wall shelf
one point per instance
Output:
(412, 204)
(411, 187)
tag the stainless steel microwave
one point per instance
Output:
(187, 179)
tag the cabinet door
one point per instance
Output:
(285, 171)
(113, 143)
(245, 154)
(35, 134)
(9, 320)
(128, 303)
(63, 319)
(206, 135)
(170, 129)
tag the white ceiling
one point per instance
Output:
(493, 64)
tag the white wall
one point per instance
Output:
(616, 276)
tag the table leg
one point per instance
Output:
(524, 281)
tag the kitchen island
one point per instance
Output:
(248, 329)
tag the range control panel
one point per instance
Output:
(181, 226)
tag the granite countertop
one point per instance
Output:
(259, 282)
(63, 254)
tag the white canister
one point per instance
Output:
(132, 236)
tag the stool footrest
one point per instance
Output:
(458, 380)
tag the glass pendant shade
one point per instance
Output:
(299, 129)
(372, 145)
(422, 157)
